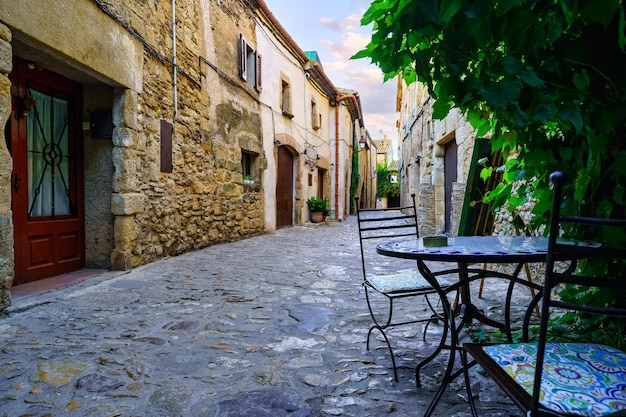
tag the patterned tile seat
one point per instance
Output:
(578, 379)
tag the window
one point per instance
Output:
(285, 99)
(247, 159)
(249, 64)
(316, 118)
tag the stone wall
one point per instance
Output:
(137, 213)
(458, 198)
(425, 210)
(98, 166)
(203, 200)
(6, 216)
(424, 145)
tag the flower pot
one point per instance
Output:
(317, 217)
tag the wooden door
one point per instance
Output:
(47, 199)
(284, 189)
(450, 177)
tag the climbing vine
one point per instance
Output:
(545, 79)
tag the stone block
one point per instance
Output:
(5, 180)
(120, 261)
(6, 57)
(127, 204)
(5, 33)
(124, 137)
(124, 232)
(125, 109)
(6, 258)
(126, 172)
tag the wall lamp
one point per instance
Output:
(363, 143)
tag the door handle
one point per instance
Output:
(16, 182)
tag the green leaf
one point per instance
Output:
(485, 173)
(565, 154)
(519, 116)
(377, 9)
(544, 110)
(601, 11)
(512, 65)
(581, 80)
(441, 109)
(448, 9)
(544, 202)
(529, 76)
(429, 8)
(580, 185)
(572, 114)
(618, 194)
(604, 209)
(505, 5)
(502, 93)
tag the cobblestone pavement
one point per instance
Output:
(273, 325)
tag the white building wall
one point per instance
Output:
(281, 63)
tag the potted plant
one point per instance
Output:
(318, 208)
(248, 179)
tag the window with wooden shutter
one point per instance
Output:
(243, 59)
(315, 117)
(258, 85)
(285, 99)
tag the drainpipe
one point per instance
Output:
(174, 62)
(356, 104)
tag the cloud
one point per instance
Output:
(331, 24)
(377, 98)
(351, 43)
(378, 125)
(350, 23)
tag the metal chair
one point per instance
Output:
(575, 378)
(375, 226)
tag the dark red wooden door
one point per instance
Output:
(47, 198)
(284, 189)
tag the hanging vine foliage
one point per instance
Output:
(547, 80)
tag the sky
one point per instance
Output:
(333, 29)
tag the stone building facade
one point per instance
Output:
(435, 160)
(154, 114)
(313, 124)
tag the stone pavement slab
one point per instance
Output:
(273, 325)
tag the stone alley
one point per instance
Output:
(274, 325)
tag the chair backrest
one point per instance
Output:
(380, 224)
(559, 248)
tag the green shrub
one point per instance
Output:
(318, 204)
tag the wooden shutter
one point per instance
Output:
(241, 52)
(259, 85)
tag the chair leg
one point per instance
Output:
(381, 329)
(468, 386)
(393, 359)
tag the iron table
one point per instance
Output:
(464, 251)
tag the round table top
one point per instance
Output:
(471, 249)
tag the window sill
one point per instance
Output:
(251, 187)
(288, 114)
